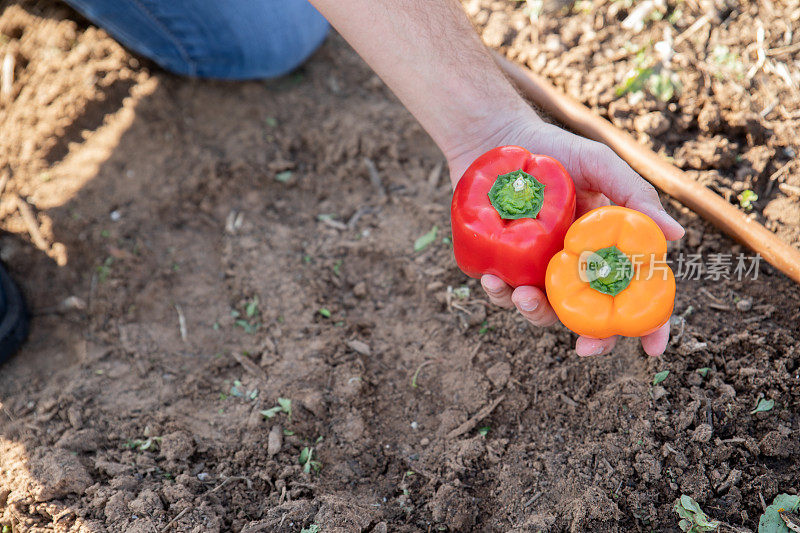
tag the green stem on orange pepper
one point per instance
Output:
(609, 271)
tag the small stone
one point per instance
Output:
(275, 440)
(702, 433)
(745, 304)
(425, 441)
(654, 123)
(553, 43)
(359, 347)
(360, 290)
(177, 446)
(499, 373)
(659, 392)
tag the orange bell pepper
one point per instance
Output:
(612, 277)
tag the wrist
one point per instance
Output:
(506, 124)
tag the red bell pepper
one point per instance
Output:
(510, 212)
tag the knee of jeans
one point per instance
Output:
(267, 55)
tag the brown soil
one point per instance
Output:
(135, 404)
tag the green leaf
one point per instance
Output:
(746, 199)
(305, 455)
(284, 176)
(425, 240)
(271, 122)
(703, 371)
(462, 293)
(286, 405)
(313, 528)
(685, 525)
(271, 412)
(288, 432)
(324, 312)
(659, 377)
(689, 504)
(252, 307)
(634, 81)
(484, 430)
(771, 521)
(763, 406)
(662, 86)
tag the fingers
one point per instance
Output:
(533, 305)
(606, 172)
(585, 201)
(586, 347)
(655, 343)
(497, 290)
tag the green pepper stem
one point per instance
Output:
(517, 195)
(609, 271)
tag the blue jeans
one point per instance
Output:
(226, 39)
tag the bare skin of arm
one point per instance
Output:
(427, 52)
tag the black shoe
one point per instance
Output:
(14, 319)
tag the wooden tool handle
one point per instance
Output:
(656, 170)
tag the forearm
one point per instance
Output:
(429, 55)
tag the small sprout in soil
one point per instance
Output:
(307, 259)
(485, 327)
(151, 443)
(660, 376)
(313, 528)
(772, 521)
(271, 122)
(104, 270)
(634, 81)
(324, 311)
(284, 176)
(763, 406)
(722, 56)
(746, 199)
(447, 241)
(235, 389)
(483, 431)
(337, 267)
(703, 371)
(251, 308)
(425, 240)
(462, 292)
(6, 529)
(663, 86)
(416, 375)
(307, 460)
(693, 519)
(288, 432)
(675, 16)
(247, 326)
(284, 406)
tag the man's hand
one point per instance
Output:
(428, 53)
(599, 176)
